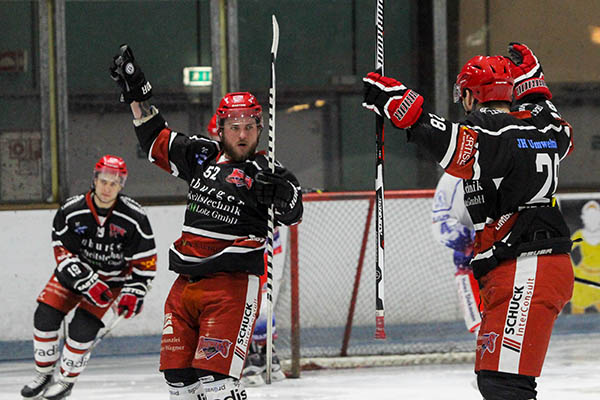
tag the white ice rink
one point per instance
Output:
(572, 372)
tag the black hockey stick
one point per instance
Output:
(271, 223)
(587, 282)
(379, 195)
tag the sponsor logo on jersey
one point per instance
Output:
(80, 229)
(466, 145)
(489, 343)
(239, 178)
(116, 230)
(200, 158)
(210, 347)
(523, 143)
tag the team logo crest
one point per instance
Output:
(210, 347)
(489, 342)
(239, 178)
(116, 230)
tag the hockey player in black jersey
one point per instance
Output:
(105, 254)
(212, 306)
(508, 156)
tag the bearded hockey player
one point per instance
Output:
(508, 158)
(212, 306)
(105, 253)
(254, 371)
(452, 226)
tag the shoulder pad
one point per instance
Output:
(72, 200)
(132, 204)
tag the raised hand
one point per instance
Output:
(129, 76)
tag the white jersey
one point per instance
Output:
(452, 224)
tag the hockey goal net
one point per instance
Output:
(326, 307)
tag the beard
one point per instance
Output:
(238, 154)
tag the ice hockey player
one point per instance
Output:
(509, 158)
(254, 370)
(212, 306)
(452, 226)
(105, 253)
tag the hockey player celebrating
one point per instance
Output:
(254, 370)
(509, 158)
(452, 226)
(105, 253)
(212, 306)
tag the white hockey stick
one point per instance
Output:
(99, 338)
(379, 193)
(271, 227)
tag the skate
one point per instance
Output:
(34, 388)
(253, 369)
(58, 390)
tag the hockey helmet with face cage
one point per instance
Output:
(488, 78)
(239, 105)
(112, 166)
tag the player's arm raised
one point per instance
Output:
(454, 146)
(172, 151)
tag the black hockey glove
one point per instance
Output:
(273, 189)
(131, 299)
(390, 98)
(125, 71)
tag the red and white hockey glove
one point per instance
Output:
(98, 293)
(527, 72)
(390, 98)
(131, 299)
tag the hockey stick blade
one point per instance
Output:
(275, 44)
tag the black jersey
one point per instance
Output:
(119, 246)
(510, 165)
(224, 228)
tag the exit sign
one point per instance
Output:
(197, 76)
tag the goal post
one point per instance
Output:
(324, 311)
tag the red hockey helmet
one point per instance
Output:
(487, 77)
(212, 128)
(239, 105)
(112, 165)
